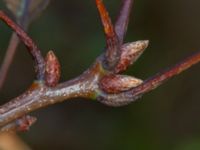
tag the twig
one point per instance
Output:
(150, 84)
(88, 84)
(39, 96)
(31, 46)
(23, 20)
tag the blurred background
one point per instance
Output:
(166, 118)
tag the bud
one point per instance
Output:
(24, 123)
(52, 69)
(118, 83)
(130, 52)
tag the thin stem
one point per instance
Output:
(14, 42)
(122, 21)
(31, 46)
(150, 84)
(113, 52)
(23, 21)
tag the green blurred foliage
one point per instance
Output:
(167, 118)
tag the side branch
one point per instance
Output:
(112, 54)
(31, 46)
(148, 85)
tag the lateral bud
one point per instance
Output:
(118, 83)
(24, 123)
(52, 69)
(130, 52)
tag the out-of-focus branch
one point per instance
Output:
(14, 41)
(122, 21)
(38, 9)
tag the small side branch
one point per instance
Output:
(112, 54)
(150, 84)
(31, 46)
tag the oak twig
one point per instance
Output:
(91, 84)
(23, 18)
(112, 54)
(31, 46)
(149, 84)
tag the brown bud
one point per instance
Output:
(130, 52)
(52, 69)
(118, 83)
(24, 123)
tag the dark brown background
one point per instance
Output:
(167, 118)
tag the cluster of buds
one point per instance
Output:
(115, 83)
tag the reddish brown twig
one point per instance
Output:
(148, 85)
(26, 15)
(112, 54)
(88, 85)
(31, 46)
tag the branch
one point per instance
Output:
(39, 95)
(86, 86)
(112, 54)
(91, 84)
(31, 46)
(149, 84)
(23, 17)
